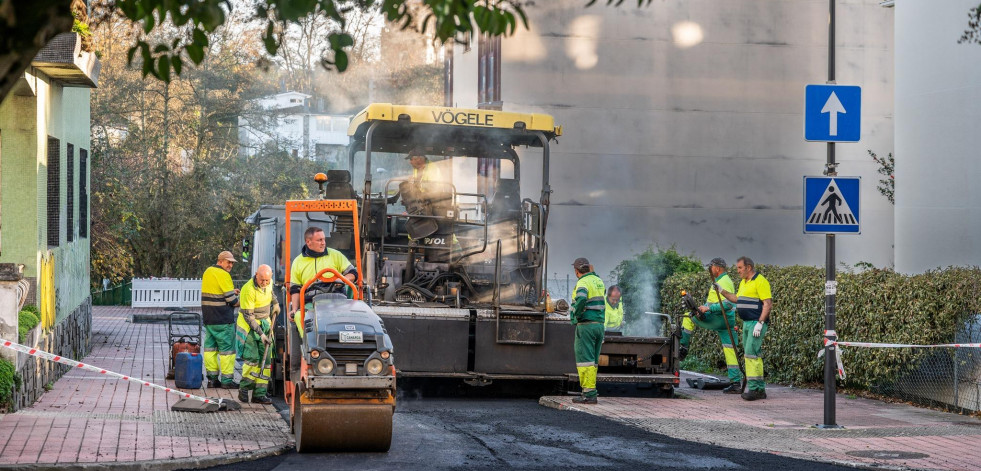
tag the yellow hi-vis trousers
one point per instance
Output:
(754, 363)
(589, 341)
(219, 351)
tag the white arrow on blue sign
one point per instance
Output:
(831, 205)
(832, 113)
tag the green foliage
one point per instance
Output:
(972, 35)
(81, 28)
(9, 381)
(195, 19)
(872, 306)
(26, 321)
(887, 168)
(699, 365)
(640, 278)
(32, 309)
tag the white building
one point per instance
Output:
(287, 121)
(938, 135)
(683, 122)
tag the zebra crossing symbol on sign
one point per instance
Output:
(831, 205)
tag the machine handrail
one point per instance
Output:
(319, 277)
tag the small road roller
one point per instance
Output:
(340, 376)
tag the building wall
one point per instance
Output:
(683, 124)
(938, 134)
(18, 168)
(26, 122)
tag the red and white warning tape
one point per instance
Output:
(839, 344)
(75, 364)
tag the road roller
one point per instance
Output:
(339, 376)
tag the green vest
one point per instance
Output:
(589, 304)
(614, 315)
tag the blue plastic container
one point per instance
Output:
(188, 372)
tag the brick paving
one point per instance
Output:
(88, 418)
(875, 434)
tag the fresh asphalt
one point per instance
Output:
(467, 433)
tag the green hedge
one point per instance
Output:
(27, 320)
(9, 380)
(871, 306)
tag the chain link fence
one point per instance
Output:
(947, 378)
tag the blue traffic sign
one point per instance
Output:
(832, 113)
(831, 205)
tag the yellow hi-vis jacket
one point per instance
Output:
(218, 298)
(256, 304)
(589, 303)
(614, 315)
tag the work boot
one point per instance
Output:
(584, 400)
(243, 395)
(261, 400)
(214, 383)
(733, 388)
(682, 353)
(230, 385)
(754, 394)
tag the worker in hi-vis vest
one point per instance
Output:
(588, 314)
(315, 256)
(218, 301)
(713, 320)
(754, 301)
(254, 335)
(614, 309)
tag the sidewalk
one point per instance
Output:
(876, 434)
(88, 421)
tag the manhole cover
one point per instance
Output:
(887, 454)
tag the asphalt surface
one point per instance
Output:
(481, 433)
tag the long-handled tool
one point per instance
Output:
(265, 355)
(732, 338)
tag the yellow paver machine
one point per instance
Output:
(451, 260)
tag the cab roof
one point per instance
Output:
(405, 126)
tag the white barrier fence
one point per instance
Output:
(166, 292)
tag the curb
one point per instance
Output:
(551, 402)
(157, 465)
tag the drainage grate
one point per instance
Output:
(887, 454)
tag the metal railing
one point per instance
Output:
(119, 295)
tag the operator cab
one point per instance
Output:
(453, 230)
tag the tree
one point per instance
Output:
(887, 168)
(25, 27)
(640, 278)
(170, 186)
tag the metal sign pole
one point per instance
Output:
(830, 284)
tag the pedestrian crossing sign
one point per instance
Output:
(831, 205)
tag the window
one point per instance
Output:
(323, 123)
(70, 172)
(83, 193)
(489, 73)
(54, 192)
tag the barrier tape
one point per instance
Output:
(76, 364)
(837, 343)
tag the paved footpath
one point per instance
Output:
(875, 434)
(88, 421)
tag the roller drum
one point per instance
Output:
(343, 427)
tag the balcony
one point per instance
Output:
(63, 60)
